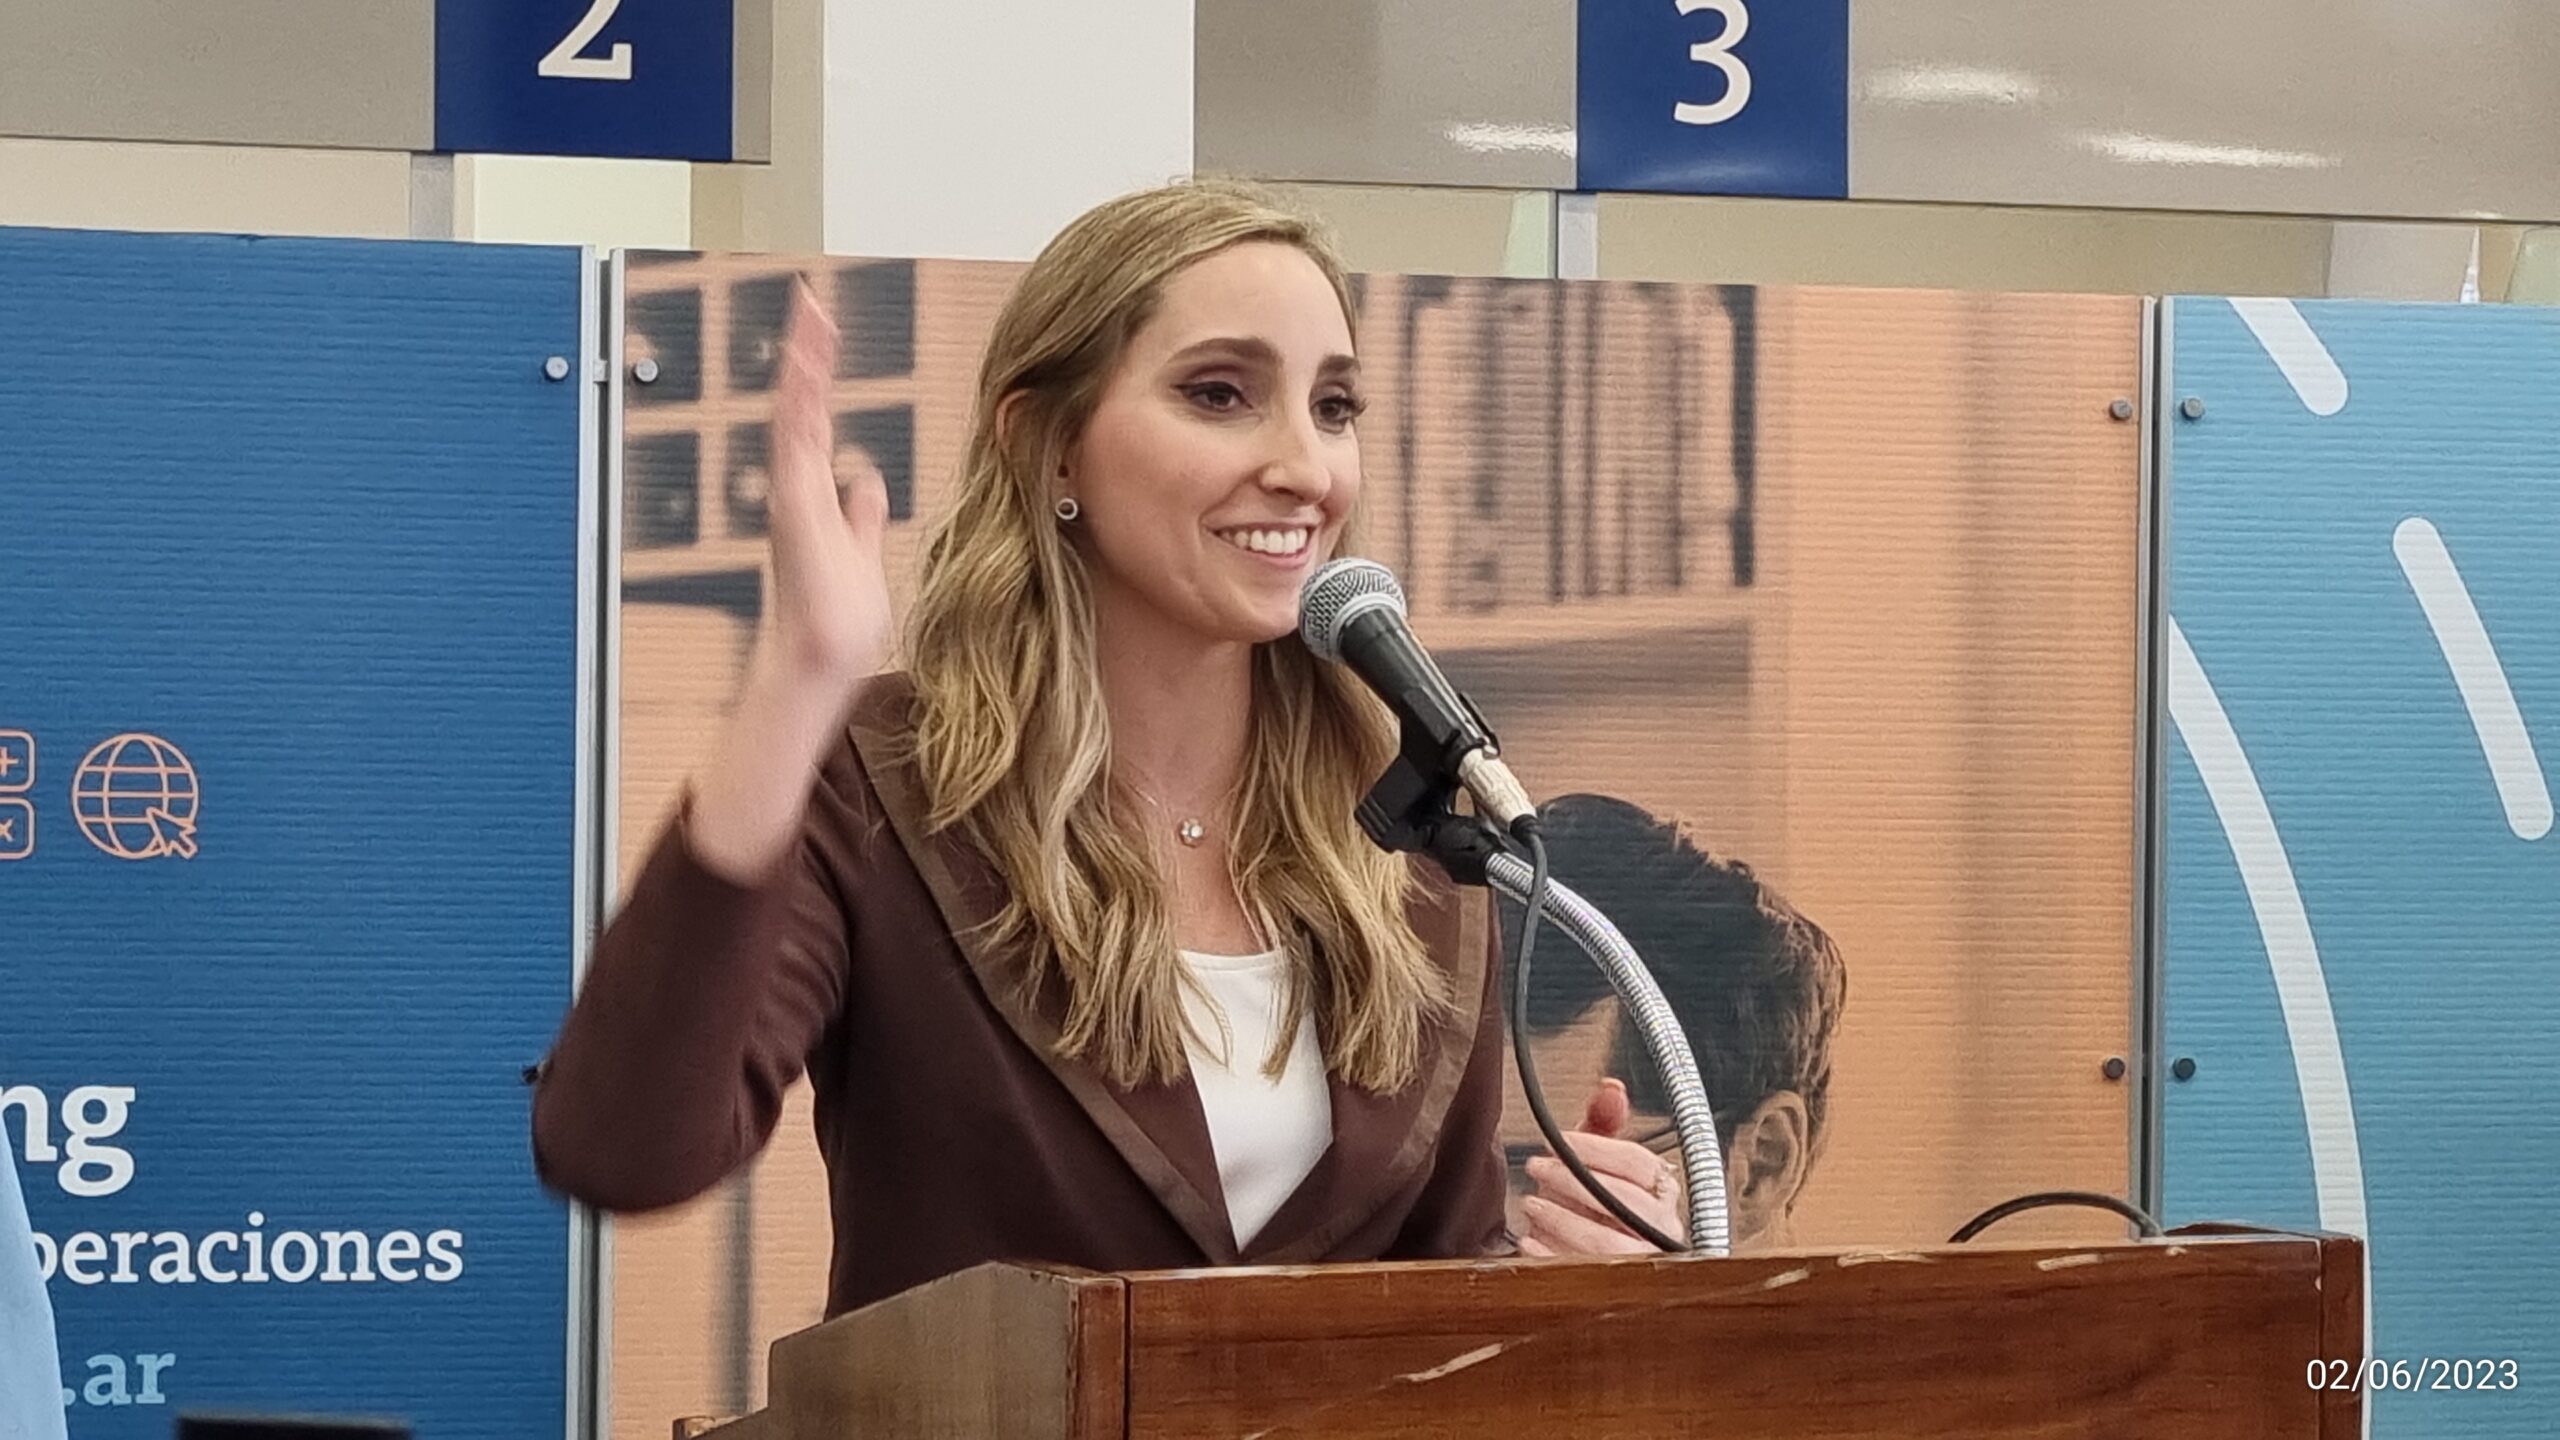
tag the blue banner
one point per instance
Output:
(642, 79)
(289, 540)
(2363, 886)
(1714, 97)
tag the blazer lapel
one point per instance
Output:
(1159, 1130)
(1381, 1141)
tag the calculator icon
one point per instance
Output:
(17, 762)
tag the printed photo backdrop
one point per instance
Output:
(1821, 604)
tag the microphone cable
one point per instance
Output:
(1525, 830)
(2142, 1222)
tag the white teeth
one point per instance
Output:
(1266, 542)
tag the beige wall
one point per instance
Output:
(777, 205)
(377, 194)
(1960, 247)
(98, 185)
(1418, 230)
(364, 194)
(667, 205)
(2193, 105)
(1450, 231)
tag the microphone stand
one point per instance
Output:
(1410, 810)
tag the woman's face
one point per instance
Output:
(1220, 463)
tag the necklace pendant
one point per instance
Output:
(1191, 832)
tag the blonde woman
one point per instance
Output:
(1069, 921)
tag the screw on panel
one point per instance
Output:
(2185, 1069)
(2114, 1068)
(556, 368)
(2120, 408)
(645, 371)
(2192, 407)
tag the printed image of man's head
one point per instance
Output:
(1759, 989)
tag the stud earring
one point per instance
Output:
(1068, 509)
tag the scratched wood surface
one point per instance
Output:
(2203, 1339)
(2193, 1337)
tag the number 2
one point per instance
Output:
(565, 63)
(1719, 53)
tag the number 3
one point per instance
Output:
(565, 63)
(1719, 53)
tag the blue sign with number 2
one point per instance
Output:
(637, 78)
(1714, 97)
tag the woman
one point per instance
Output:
(1070, 923)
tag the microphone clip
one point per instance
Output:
(1411, 811)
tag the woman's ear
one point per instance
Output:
(1008, 415)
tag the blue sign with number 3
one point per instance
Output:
(1714, 97)
(652, 79)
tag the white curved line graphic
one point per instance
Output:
(2288, 340)
(2513, 767)
(2302, 989)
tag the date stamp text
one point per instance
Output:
(2410, 1375)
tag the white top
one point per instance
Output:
(1267, 1133)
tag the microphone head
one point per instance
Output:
(1340, 592)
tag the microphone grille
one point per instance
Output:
(1339, 592)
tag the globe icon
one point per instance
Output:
(135, 798)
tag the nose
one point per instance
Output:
(1295, 465)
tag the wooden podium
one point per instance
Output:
(2198, 1335)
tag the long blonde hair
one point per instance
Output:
(1013, 741)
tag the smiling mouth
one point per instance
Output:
(1280, 543)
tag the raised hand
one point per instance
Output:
(833, 624)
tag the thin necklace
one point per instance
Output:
(1189, 829)
(1191, 832)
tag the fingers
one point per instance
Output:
(1557, 1186)
(808, 346)
(812, 334)
(1558, 1231)
(1609, 1110)
(866, 501)
(1640, 1179)
(1609, 1156)
(806, 428)
(803, 429)
(1560, 1185)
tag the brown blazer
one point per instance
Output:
(953, 1132)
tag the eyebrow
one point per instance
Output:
(1255, 350)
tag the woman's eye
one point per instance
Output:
(1215, 395)
(1340, 409)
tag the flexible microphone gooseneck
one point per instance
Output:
(1351, 611)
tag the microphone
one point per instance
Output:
(1352, 611)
